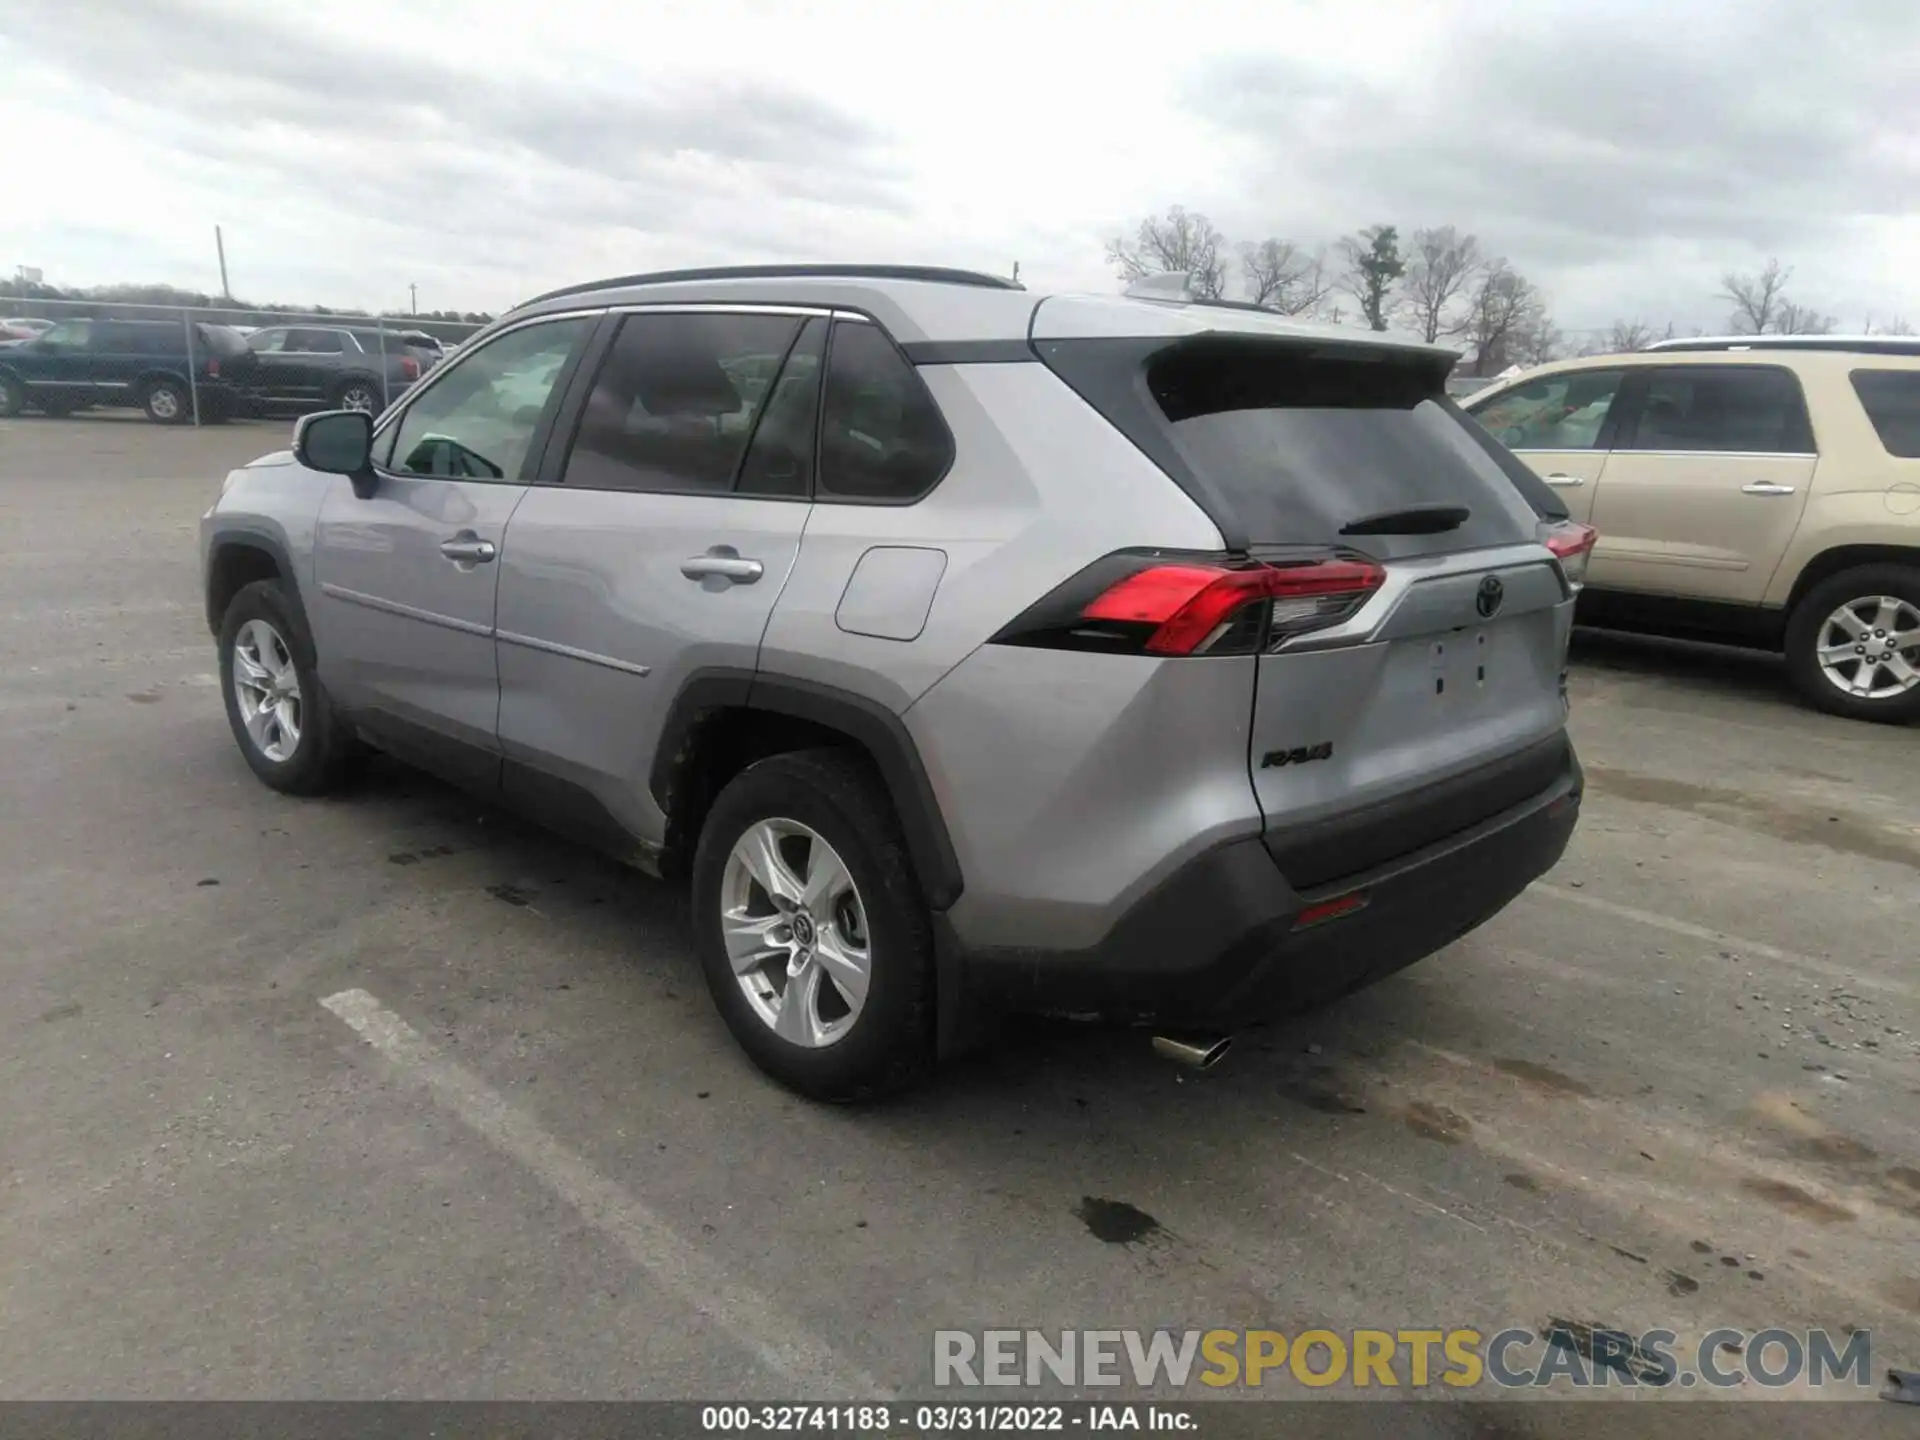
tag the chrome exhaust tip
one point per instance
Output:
(1195, 1052)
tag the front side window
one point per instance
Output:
(675, 402)
(69, 335)
(1555, 412)
(1756, 409)
(1891, 399)
(881, 436)
(478, 420)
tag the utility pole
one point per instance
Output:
(1016, 272)
(220, 244)
(413, 299)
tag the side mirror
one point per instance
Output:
(338, 442)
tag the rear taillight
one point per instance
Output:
(1572, 545)
(213, 368)
(1136, 603)
(409, 368)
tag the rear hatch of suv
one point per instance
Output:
(1381, 559)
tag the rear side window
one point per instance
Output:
(1555, 412)
(780, 461)
(1757, 409)
(1891, 399)
(673, 406)
(315, 342)
(882, 438)
(1287, 444)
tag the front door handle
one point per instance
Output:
(1765, 487)
(1564, 482)
(468, 549)
(722, 563)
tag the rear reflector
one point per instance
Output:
(1143, 604)
(409, 367)
(1328, 910)
(1572, 544)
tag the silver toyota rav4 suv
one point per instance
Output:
(969, 650)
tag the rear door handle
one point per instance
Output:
(1564, 482)
(1765, 487)
(468, 549)
(722, 562)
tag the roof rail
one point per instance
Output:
(935, 274)
(1859, 344)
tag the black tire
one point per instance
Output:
(319, 760)
(890, 1044)
(347, 395)
(1804, 638)
(57, 409)
(13, 397)
(167, 401)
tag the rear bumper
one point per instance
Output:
(1221, 943)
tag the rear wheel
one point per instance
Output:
(811, 930)
(167, 402)
(361, 395)
(1853, 644)
(57, 409)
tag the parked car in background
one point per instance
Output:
(1136, 658)
(20, 327)
(150, 365)
(303, 368)
(1757, 490)
(428, 347)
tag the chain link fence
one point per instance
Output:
(204, 364)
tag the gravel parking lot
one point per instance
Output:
(1674, 1085)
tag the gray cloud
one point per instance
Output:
(494, 165)
(1578, 136)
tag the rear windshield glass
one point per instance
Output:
(1891, 399)
(1295, 443)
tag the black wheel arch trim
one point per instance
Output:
(877, 730)
(254, 537)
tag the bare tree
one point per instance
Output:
(1792, 319)
(1440, 268)
(1373, 267)
(1179, 240)
(1504, 304)
(1756, 298)
(1282, 277)
(1539, 340)
(1630, 335)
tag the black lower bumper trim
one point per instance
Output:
(1220, 944)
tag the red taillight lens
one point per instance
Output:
(1572, 544)
(1137, 604)
(213, 369)
(409, 368)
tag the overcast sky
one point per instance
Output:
(1621, 154)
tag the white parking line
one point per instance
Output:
(1738, 944)
(780, 1343)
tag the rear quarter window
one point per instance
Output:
(1891, 399)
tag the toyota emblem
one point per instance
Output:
(1489, 597)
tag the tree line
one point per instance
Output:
(111, 301)
(1439, 283)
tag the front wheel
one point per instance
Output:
(13, 397)
(279, 713)
(810, 928)
(1853, 644)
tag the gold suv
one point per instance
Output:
(1758, 490)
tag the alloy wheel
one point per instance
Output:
(796, 932)
(266, 686)
(1869, 648)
